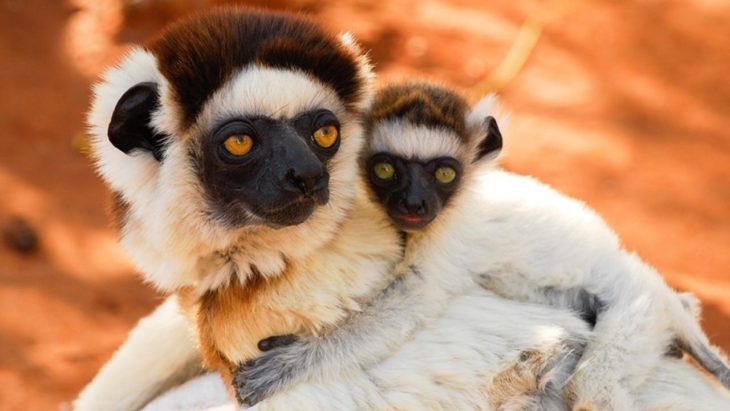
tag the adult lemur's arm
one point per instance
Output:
(159, 353)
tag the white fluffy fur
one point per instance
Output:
(206, 392)
(522, 239)
(673, 386)
(415, 141)
(538, 239)
(127, 174)
(274, 92)
(449, 365)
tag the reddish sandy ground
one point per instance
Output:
(625, 105)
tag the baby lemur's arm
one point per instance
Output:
(364, 339)
(381, 329)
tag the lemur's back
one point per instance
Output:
(525, 241)
(512, 224)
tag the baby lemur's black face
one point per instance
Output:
(412, 191)
(274, 169)
(422, 142)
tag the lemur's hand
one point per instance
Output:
(282, 364)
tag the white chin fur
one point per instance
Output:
(167, 232)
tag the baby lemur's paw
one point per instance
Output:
(279, 366)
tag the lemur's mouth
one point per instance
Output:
(413, 222)
(292, 213)
(412, 219)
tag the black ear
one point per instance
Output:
(130, 126)
(492, 142)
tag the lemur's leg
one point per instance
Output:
(629, 339)
(159, 353)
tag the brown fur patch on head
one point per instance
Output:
(198, 55)
(421, 104)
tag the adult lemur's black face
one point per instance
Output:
(274, 169)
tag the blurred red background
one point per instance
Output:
(624, 104)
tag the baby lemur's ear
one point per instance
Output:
(491, 143)
(486, 137)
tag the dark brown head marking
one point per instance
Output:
(199, 54)
(421, 104)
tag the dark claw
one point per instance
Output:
(272, 370)
(243, 392)
(276, 341)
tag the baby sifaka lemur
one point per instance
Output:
(430, 165)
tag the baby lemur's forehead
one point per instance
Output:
(199, 55)
(421, 104)
(417, 120)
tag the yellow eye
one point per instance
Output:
(238, 144)
(326, 136)
(384, 170)
(445, 175)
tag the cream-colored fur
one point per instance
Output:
(673, 386)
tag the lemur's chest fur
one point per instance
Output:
(309, 296)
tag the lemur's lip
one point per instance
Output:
(412, 219)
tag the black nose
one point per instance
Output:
(414, 205)
(307, 180)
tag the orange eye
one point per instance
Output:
(326, 136)
(238, 144)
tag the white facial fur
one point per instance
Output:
(409, 140)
